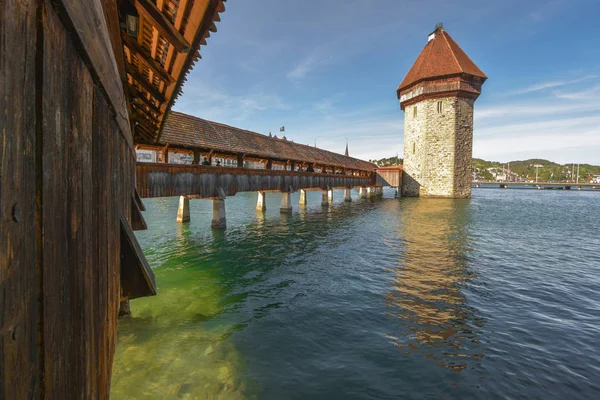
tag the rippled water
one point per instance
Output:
(493, 297)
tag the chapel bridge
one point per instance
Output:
(82, 84)
(260, 163)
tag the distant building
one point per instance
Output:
(437, 97)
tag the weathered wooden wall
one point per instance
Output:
(67, 176)
(389, 176)
(164, 180)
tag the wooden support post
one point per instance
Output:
(240, 161)
(219, 220)
(269, 164)
(286, 205)
(292, 166)
(196, 158)
(325, 198)
(302, 197)
(165, 154)
(124, 309)
(348, 195)
(261, 203)
(183, 212)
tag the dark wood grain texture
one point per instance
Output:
(19, 314)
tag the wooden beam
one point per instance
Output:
(136, 94)
(152, 129)
(163, 25)
(143, 55)
(140, 130)
(145, 84)
(139, 201)
(137, 219)
(88, 27)
(137, 278)
(140, 109)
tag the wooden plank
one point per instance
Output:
(163, 25)
(143, 55)
(137, 278)
(144, 133)
(100, 157)
(144, 113)
(55, 113)
(139, 201)
(138, 223)
(147, 86)
(19, 229)
(87, 25)
(137, 95)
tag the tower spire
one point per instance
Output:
(346, 153)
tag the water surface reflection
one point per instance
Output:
(436, 320)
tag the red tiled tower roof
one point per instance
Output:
(441, 57)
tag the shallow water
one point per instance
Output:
(493, 297)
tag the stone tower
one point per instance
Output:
(437, 97)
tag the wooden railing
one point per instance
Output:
(165, 180)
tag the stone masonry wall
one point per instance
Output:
(438, 148)
(463, 148)
(413, 150)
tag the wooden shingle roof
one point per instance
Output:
(441, 57)
(197, 133)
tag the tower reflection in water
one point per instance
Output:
(427, 296)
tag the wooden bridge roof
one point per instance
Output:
(154, 64)
(197, 133)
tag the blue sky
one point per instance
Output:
(328, 70)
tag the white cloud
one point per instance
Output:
(214, 103)
(549, 85)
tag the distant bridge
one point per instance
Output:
(539, 185)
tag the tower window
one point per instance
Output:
(415, 111)
(414, 147)
(440, 107)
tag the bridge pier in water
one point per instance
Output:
(286, 204)
(219, 220)
(183, 212)
(330, 196)
(302, 201)
(261, 203)
(325, 198)
(348, 195)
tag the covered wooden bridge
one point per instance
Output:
(260, 163)
(81, 84)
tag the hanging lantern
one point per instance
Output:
(132, 19)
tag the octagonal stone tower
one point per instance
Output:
(437, 97)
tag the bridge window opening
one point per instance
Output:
(415, 112)
(440, 107)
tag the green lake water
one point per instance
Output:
(497, 296)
